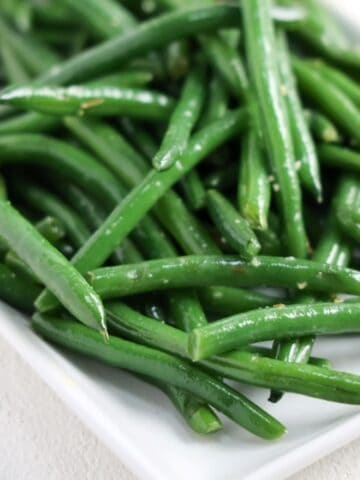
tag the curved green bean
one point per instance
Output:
(203, 271)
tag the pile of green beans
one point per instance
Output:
(158, 168)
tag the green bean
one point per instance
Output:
(339, 157)
(193, 190)
(226, 301)
(28, 122)
(273, 323)
(217, 104)
(82, 100)
(186, 313)
(124, 78)
(261, 52)
(105, 19)
(160, 366)
(182, 121)
(227, 62)
(14, 69)
(16, 290)
(248, 366)
(254, 189)
(305, 151)
(36, 57)
(322, 128)
(328, 97)
(52, 268)
(150, 35)
(48, 204)
(232, 226)
(347, 195)
(203, 271)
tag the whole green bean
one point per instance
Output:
(161, 366)
(203, 271)
(273, 323)
(182, 121)
(261, 52)
(330, 99)
(52, 268)
(254, 189)
(16, 290)
(304, 146)
(87, 100)
(232, 225)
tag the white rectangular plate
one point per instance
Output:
(140, 425)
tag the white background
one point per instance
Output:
(41, 439)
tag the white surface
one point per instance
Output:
(139, 424)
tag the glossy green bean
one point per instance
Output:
(226, 301)
(87, 100)
(261, 52)
(232, 225)
(254, 189)
(203, 271)
(16, 290)
(273, 323)
(182, 122)
(304, 146)
(322, 128)
(161, 366)
(51, 267)
(186, 313)
(330, 99)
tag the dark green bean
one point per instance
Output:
(161, 366)
(273, 323)
(339, 157)
(254, 189)
(305, 151)
(52, 268)
(261, 52)
(232, 225)
(203, 271)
